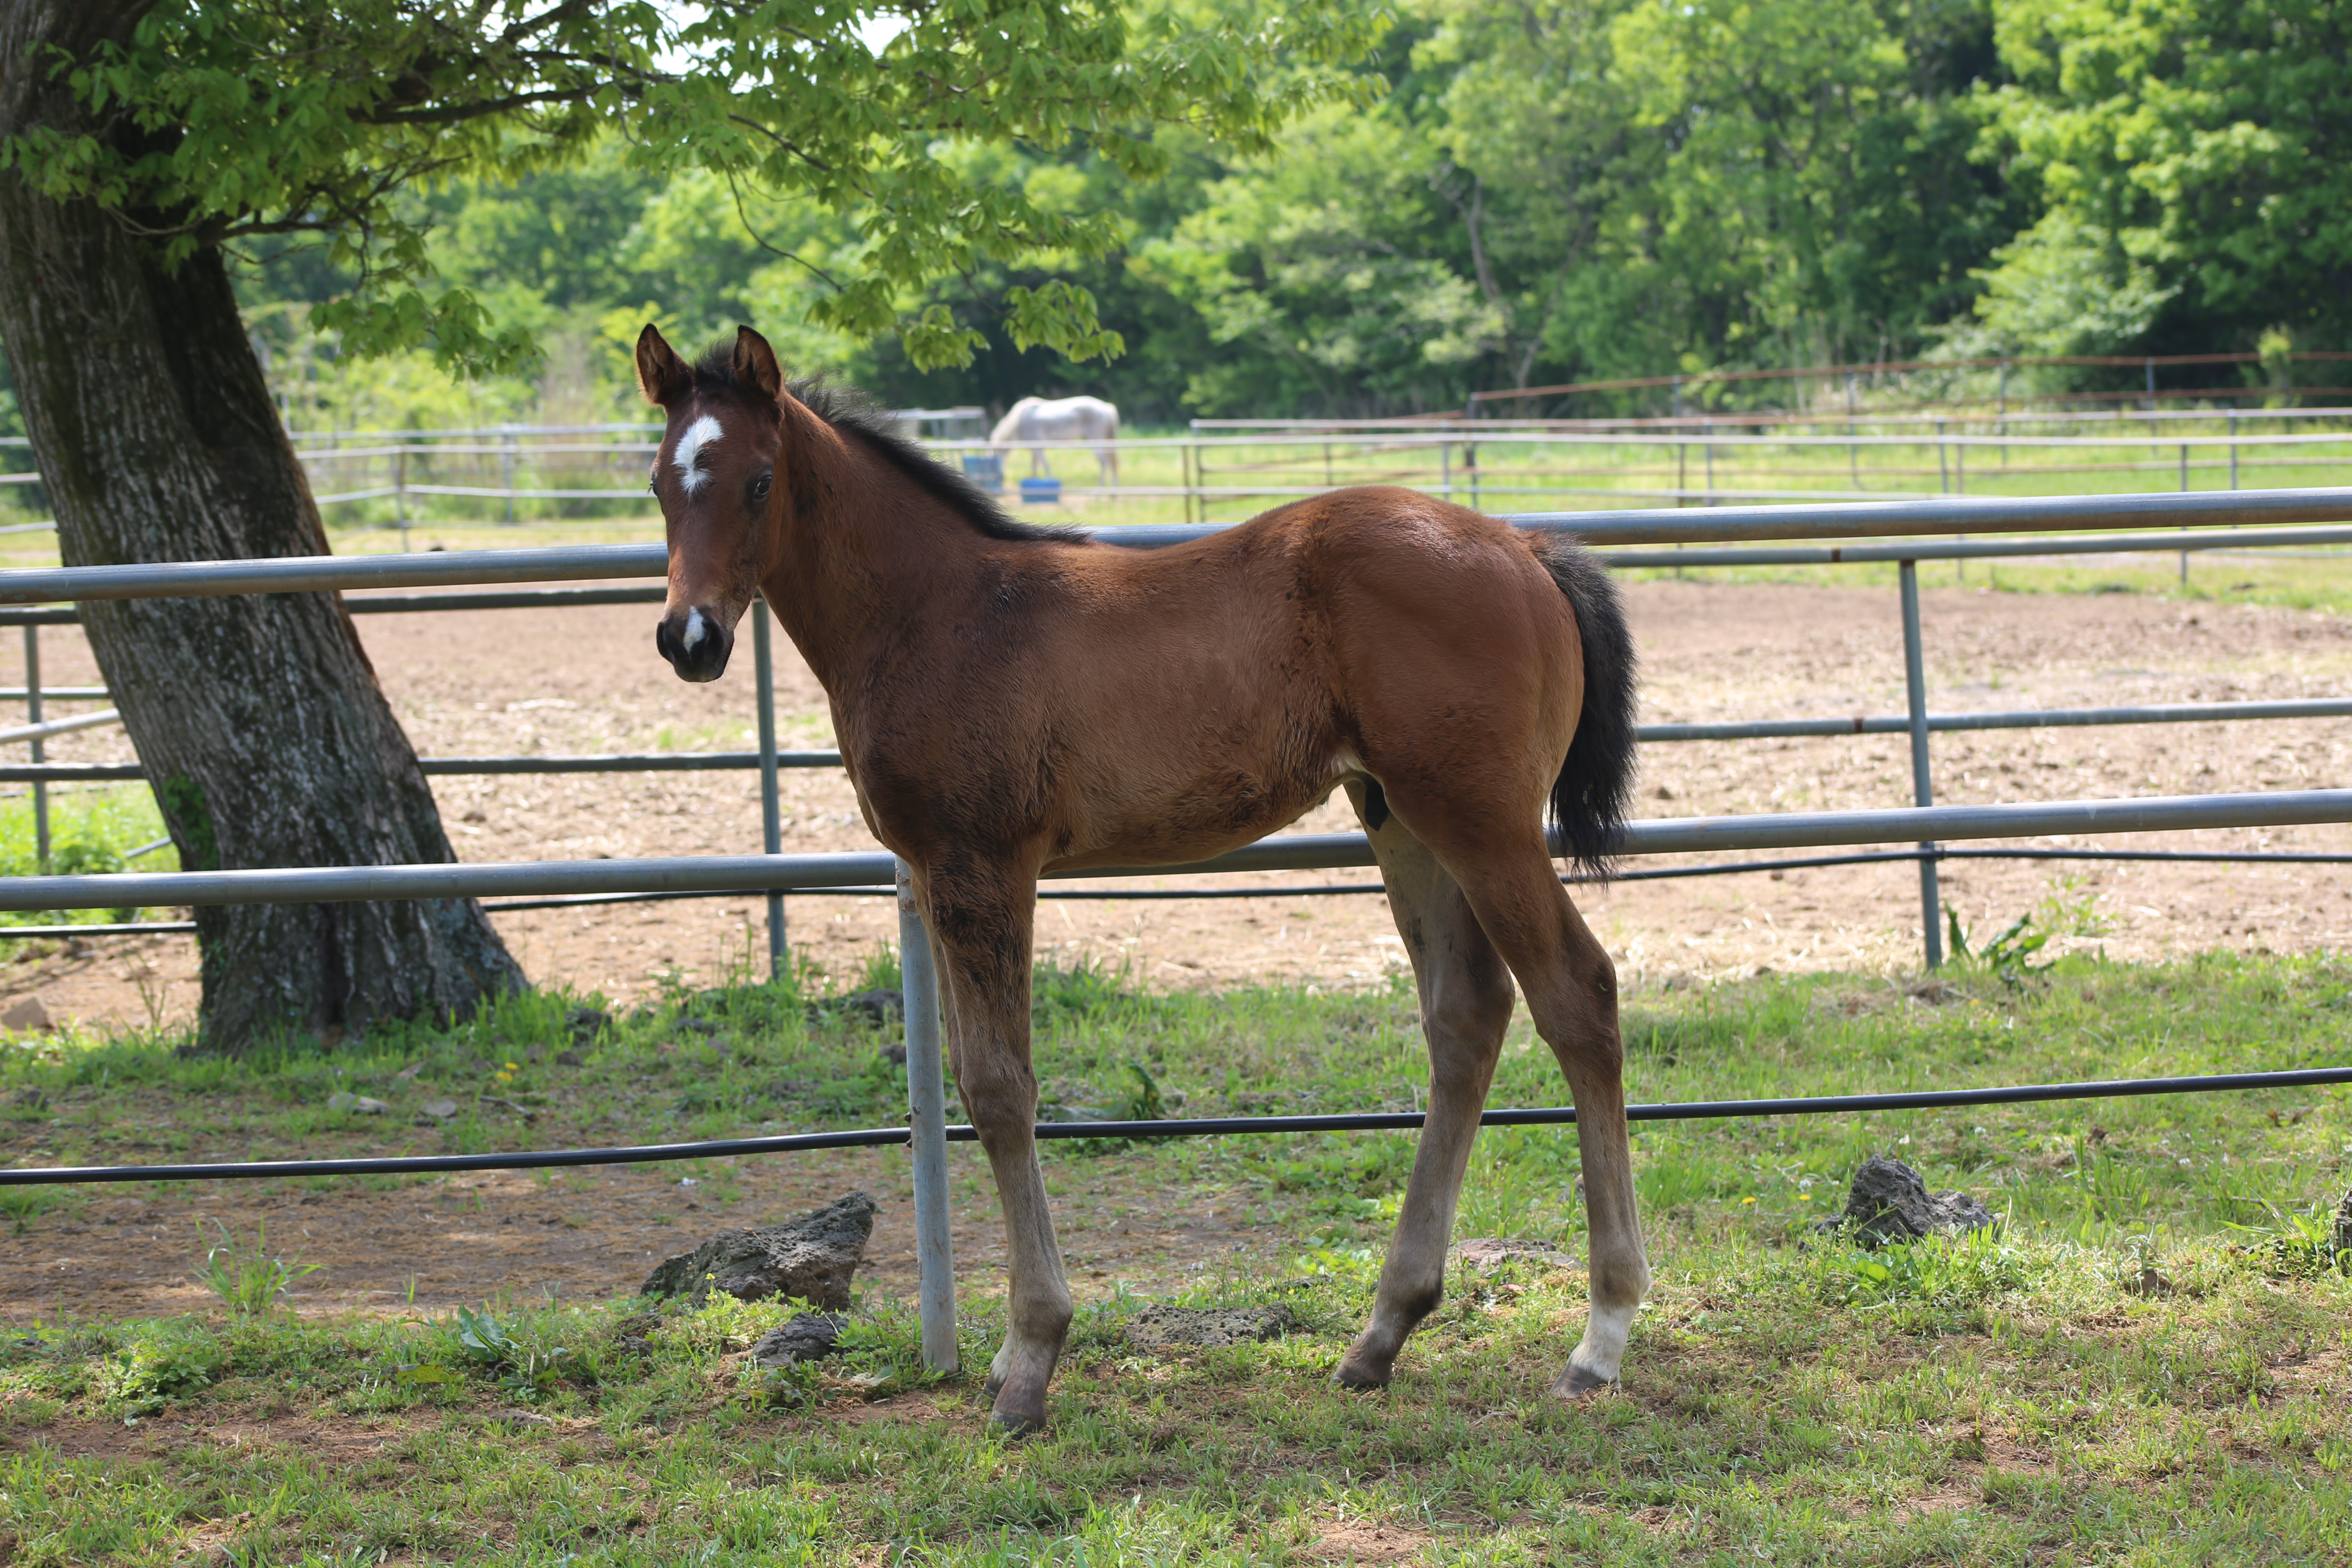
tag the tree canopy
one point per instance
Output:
(256, 119)
(1231, 207)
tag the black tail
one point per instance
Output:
(1596, 783)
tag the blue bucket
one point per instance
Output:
(1047, 491)
(985, 470)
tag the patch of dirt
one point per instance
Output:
(1710, 651)
(1354, 1540)
(340, 1441)
(593, 1233)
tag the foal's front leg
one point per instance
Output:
(981, 919)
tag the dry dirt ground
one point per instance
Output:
(587, 680)
(593, 1233)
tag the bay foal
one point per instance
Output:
(1013, 700)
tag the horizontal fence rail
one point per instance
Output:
(1187, 1127)
(1648, 734)
(1286, 852)
(1667, 525)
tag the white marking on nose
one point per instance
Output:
(687, 456)
(693, 629)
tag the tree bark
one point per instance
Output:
(259, 718)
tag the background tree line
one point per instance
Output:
(1536, 190)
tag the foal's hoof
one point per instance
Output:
(1576, 1384)
(1016, 1423)
(1361, 1379)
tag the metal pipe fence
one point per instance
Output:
(1914, 518)
(939, 1305)
(1930, 827)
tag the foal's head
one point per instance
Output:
(715, 475)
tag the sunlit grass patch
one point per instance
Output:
(92, 832)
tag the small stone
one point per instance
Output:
(586, 1024)
(357, 1104)
(1495, 1251)
(895, 1053)
(691, 1025)
(811, 1259)
(1890, 1202)
(811, 1336)
(567, 1058)
(878, 1006)
(26, 1013)
(1170, 1328)
(440, 1109)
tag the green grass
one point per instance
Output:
(2003, 1399)
(90, 831)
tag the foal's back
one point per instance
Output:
(1187, 701)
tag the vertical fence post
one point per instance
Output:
(771, 823)
(927, 1129)
(2234, 449)
(1470, 461)
(1710, 466)
(507, 459)
(399, 493)
(33, 716)
(2001, 429)
(2184, 485)
(1446, 468)
(1923, 789)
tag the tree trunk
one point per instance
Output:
(259, 718)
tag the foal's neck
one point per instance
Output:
(861, 553)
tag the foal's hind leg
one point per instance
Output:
(1571, 990)
(981, 916)
(1465, 1008)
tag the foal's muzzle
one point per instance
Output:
(695, 642)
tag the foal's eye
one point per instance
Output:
(759, 487)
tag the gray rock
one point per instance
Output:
(878, 1006)
(1890, 1202)
(1495, 1251)
(357, 1104)
(1170, 1328)
(811, 1259)
(811, 1336)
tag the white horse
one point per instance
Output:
(1035, 419)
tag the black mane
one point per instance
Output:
(851, 412)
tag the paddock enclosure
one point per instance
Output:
(1904, 536)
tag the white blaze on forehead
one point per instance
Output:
(687, 455)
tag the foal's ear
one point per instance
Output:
(755, 362)
(661, 375)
